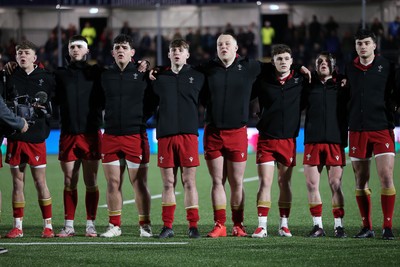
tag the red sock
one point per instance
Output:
(91, 201)
(115, 220)
(262, 211)
(144, 219)
(237, 217)
(284, 212)
(220, 216)
(338, 212)
(387, 202)
(168, 215)
(18, 209)
(18, 212)
(192, 215)
(45, 207)
(70, 203)
(316, 211)
(364, 205)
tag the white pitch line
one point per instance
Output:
(93, 243)
(251, 179)
(133, 201)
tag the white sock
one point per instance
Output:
(318, 221)
(47, 223)
(338, 222)
(18, 223)
(89, 223)
(69, 223)
(283, 222)
(262, 221)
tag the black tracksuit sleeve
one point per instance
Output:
(396, 90)
(151, 100)
(9, 118)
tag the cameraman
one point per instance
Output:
(8, 119)
(37, 84)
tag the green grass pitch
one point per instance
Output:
(131, 250)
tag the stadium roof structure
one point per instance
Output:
(127, 3)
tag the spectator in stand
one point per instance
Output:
(347, 47)
(331, 25)
(208, 42)
(377, 27)
(241, 38)
(104, 46)
(190, 36)
(177, 34)
(135, 37)
(145, 45)
(267, 36)
(126, 29)
(250, 41)
(71, 30)
(229, 29)
(332, 45)
(89, 32)
(302, 33)
(394, 30)
(314, 30)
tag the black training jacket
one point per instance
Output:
(40, 81)
(178, 97)
(125, 94)
(371, 96)
(280, 105)
(227, 92)
(326, 120)
(80, 97)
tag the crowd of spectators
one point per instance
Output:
(305, 40)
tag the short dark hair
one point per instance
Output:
(364, 33)
(179, 43)
(26, 45)
(123, 38)
(280, 49)
(77, 38)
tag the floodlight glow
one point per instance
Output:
(273, 7)
(94, 10)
